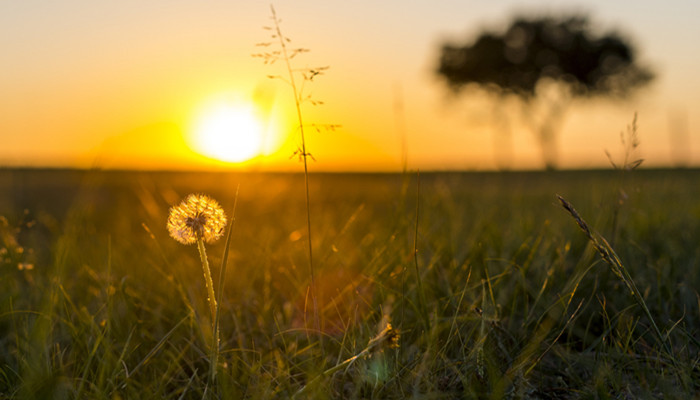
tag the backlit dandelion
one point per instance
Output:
(199, 219)
(198, 216)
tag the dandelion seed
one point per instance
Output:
(198, 216)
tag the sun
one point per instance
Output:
(228, 132)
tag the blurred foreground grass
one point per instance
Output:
(98, 302)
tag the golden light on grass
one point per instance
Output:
(229, 132)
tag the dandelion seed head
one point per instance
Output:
(198, 216)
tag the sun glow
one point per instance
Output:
(228, 132)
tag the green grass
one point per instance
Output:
(513, 299)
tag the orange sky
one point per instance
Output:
(119, 85)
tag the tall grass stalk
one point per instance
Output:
(610, 257)
(222, 278)
(629, 141)
(303, 154)
(421, 292)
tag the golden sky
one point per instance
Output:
(122, 84)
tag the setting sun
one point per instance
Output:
(228, 132)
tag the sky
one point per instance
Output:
(98, 84)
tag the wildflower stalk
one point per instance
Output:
(304, 156)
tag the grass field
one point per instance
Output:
(503, 297)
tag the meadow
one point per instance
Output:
(490, 287)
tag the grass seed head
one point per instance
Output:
(198, 216)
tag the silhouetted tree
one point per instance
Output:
(545, 62)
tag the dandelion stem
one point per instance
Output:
(212, 305)
(207, 278)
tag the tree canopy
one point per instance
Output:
(530, 50)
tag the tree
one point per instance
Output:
(545, 63)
